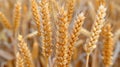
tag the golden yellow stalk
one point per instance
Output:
(47, 32)
(99, 22)
(19, 60)
(108, 44)
(16, 17)
(70, 10)
(35, 50)
(25, 52)
(74, 36)
(36, 16)
(5, 21)
(62, 40)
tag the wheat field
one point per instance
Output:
(59, 33)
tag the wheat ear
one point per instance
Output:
(74, 36)
(19, 60)
(36, 16)
(70, 10)
(62, 40)
(47, 32)
(107, 45)
(25, 52)
(91, 42)
(16, 17)
(5, 21)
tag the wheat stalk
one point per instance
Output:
(5, 21)
(36, 16)
(62, 40)
(19, 60)
(107, 45)
(25, 52)
(74, 36)
(91, 42)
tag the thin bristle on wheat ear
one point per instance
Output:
(62, 40)
(25, 52)
(36, 16)
(107, 45)
(19, 60)
(70, 10)
(47, 32)
(74, 36)
(5, 21)
(99, 22)
(16, 17)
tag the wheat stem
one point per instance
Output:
(87, 60)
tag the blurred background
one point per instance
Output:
(27, 26)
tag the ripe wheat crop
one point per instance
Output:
(59, 33)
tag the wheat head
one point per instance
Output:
(16, 16)
(25, 52)
(5, 21)
(36, 16)
(108, 44)
(99, 22)
(74, 36)
(62, 39)
(47, 32)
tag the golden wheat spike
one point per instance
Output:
(19, 60)
(62, 40)
(74, 36)
(16, 17)
(36, 16)
(70, 10)
(47, 32)
(100, 18)
(25, 52)
(99, 22)
(108, 44)
(5, 21)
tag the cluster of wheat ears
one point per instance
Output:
(65, 41)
